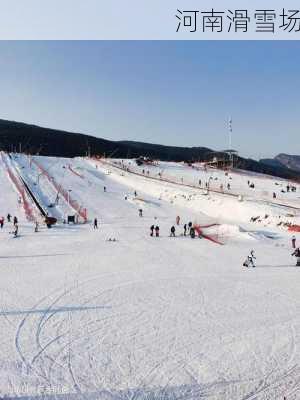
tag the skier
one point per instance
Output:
(135, 193)
(249, 262)
(16, 231)
(192, 233)
(104, 188)
(36, 226)
(184, 229)
(190, 225)
(177, 220)
(157, 231)
(8, 217)
(15, 220)
(274, 195)
(95, 223)
(172, 231)
(151, 230)
(140, 212)
(297, 255)
(1, 222)
(294, 242)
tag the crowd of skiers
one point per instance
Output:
(188, 230)
(10, 219)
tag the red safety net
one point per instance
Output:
(212, 237)
(21, 190)
(294, 228)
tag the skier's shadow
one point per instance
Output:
(37, 255)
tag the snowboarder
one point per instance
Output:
(249, 262)
(140, 212)
(157, 231)
(172, 231)
(8, 217)
(184, 229)
(151, 230)
(177, 220)
(190, 224)
(294, 242)
(297, 255)
(95, 223)
(15, 220)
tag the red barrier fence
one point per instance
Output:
(294, 228)
(20, 188)
(82, 212)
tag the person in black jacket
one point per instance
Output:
(172, 231)
(151, 230)
(297, 255)
(192, 232)
(157, 231)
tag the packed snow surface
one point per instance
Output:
(113, 313)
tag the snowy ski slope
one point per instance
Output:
(83, 317)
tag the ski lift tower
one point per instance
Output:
(230, 152)
(230, 141)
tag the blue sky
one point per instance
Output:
(177, 93)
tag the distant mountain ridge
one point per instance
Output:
(289, 161)
(33, 139)
(283, 160)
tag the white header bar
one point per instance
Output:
(149, 20)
